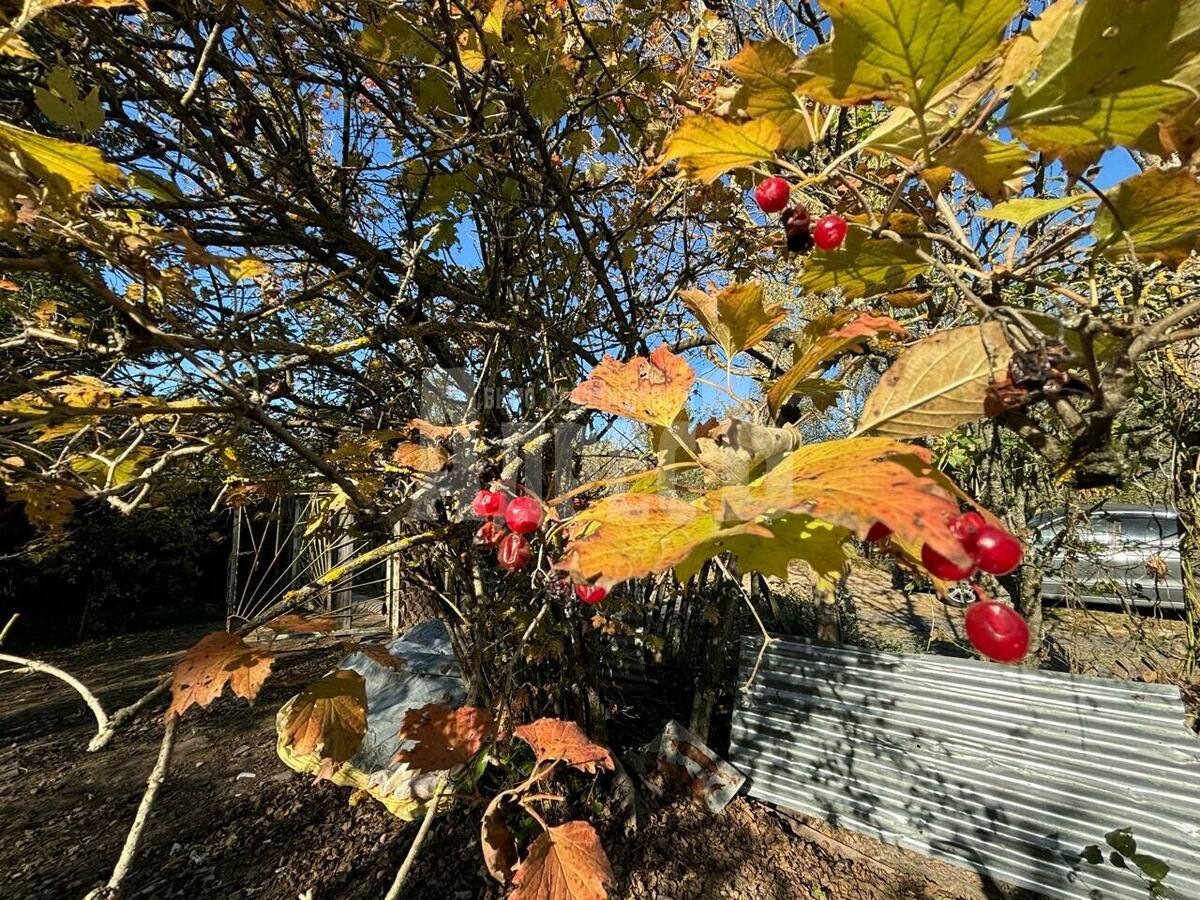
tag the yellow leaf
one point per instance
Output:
(246, 267)
(1159, 212)
(79, 166)
(902, 52)
(707, 147)
(62, 104)
(736, 317)
(995, 168)
(1027, 210)
(769, 91)
(17, 47)
(493, 23)
(938, 383)
(328, 717)
(651, 390)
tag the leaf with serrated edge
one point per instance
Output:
(559, 739)
(651, 390)
(420, 457)
(329, 717)
(1101, 79)
(444, 737)
(736, 317)
(79, 166)
(769, 91)
(995, 168)
(902, 52)
(707, 146)
(852, 482)
(216, 660)
(826, 338)
(864, 266)
(1158, 211)
(938, 383)
(566, 862)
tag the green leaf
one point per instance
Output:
(903, 52)
(1026, 210)
(707, 146)
(1117, 860)
(864, 266)
(1101, 80)
(1091, 854)
(1121, 840)
(59, 100)
(1158, 211)
(77, 166)
(1151, 866)
(769, 90)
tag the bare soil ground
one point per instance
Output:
(232, 822)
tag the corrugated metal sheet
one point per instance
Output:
(1007, 771)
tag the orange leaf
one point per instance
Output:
(632, 535)
(825, 338)
(651, 390)
(329, 716)
(445, 737)
(300, 625)
(420, 457)
(558, 739)
(441, 432)
(379, 654)
(564, 863)
(854, 482)
(217, 659)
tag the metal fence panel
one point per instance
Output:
(1009, 772)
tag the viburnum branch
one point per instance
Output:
(33, 665)
(411, 857)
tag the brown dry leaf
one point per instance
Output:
(444, 737)
(329, 717)
(824, 339)
(379, 654)
(938, 383)
(441, 432)
(217, 659)
(736, 452)
(736, 317)
(298, 624)
(565, 863)
(496, 839)
(559, 739)
(651, 390)
(420, 457)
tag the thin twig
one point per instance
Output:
(89, 698)
(411, 857)
(157, 775)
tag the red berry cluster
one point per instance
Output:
(991, 549)
(508, 523)
(802, 234)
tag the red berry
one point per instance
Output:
(513, 552)
(829, 232)
(488, 503)
(996, 551)
(772, 195)
(997, 631)
(590, 593)
(967, 527)
(488, 535)
(942, 568)
(878, 532)
(523, 515)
